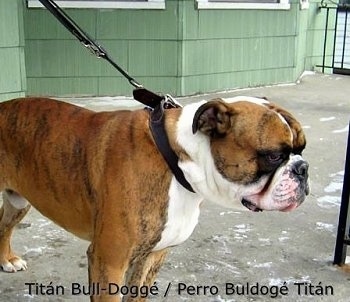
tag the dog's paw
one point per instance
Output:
(15, 264)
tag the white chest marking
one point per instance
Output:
(183, 213)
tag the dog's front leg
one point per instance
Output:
(143, 274)
(107, 267)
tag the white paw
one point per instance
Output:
(19, 264)
(14, 265)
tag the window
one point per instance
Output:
(243, 4)
(133, 4)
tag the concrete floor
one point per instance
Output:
(280, 256)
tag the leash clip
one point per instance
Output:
(170, 102)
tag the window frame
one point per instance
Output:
(112, 4)
(226, 4)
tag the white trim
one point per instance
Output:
(150, 4)
(206, 4)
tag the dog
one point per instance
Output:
(100, 176)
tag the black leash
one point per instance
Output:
(141, 94)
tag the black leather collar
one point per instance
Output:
(161, 139)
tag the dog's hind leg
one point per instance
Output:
(13, 209)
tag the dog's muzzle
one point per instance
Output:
(286, 189)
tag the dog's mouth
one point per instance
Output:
(250, 206)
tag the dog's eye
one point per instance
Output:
(275, 157)
(269, 160)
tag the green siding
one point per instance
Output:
(10, 62)
(139, 24)
(144, 42)
(301, 42)
(41, 25)
(179, 50)
(245, 24)
(204, 56)
(225, 49)
(217, 82)
(9, 25)
(12, 71)
(74, 86)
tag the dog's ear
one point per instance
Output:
(213, 119)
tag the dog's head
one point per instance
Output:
(256, 154)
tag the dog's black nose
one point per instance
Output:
(301, 168)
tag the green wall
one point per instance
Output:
(12, 67)
(237, 48)
(180, 50)
(144, 42)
